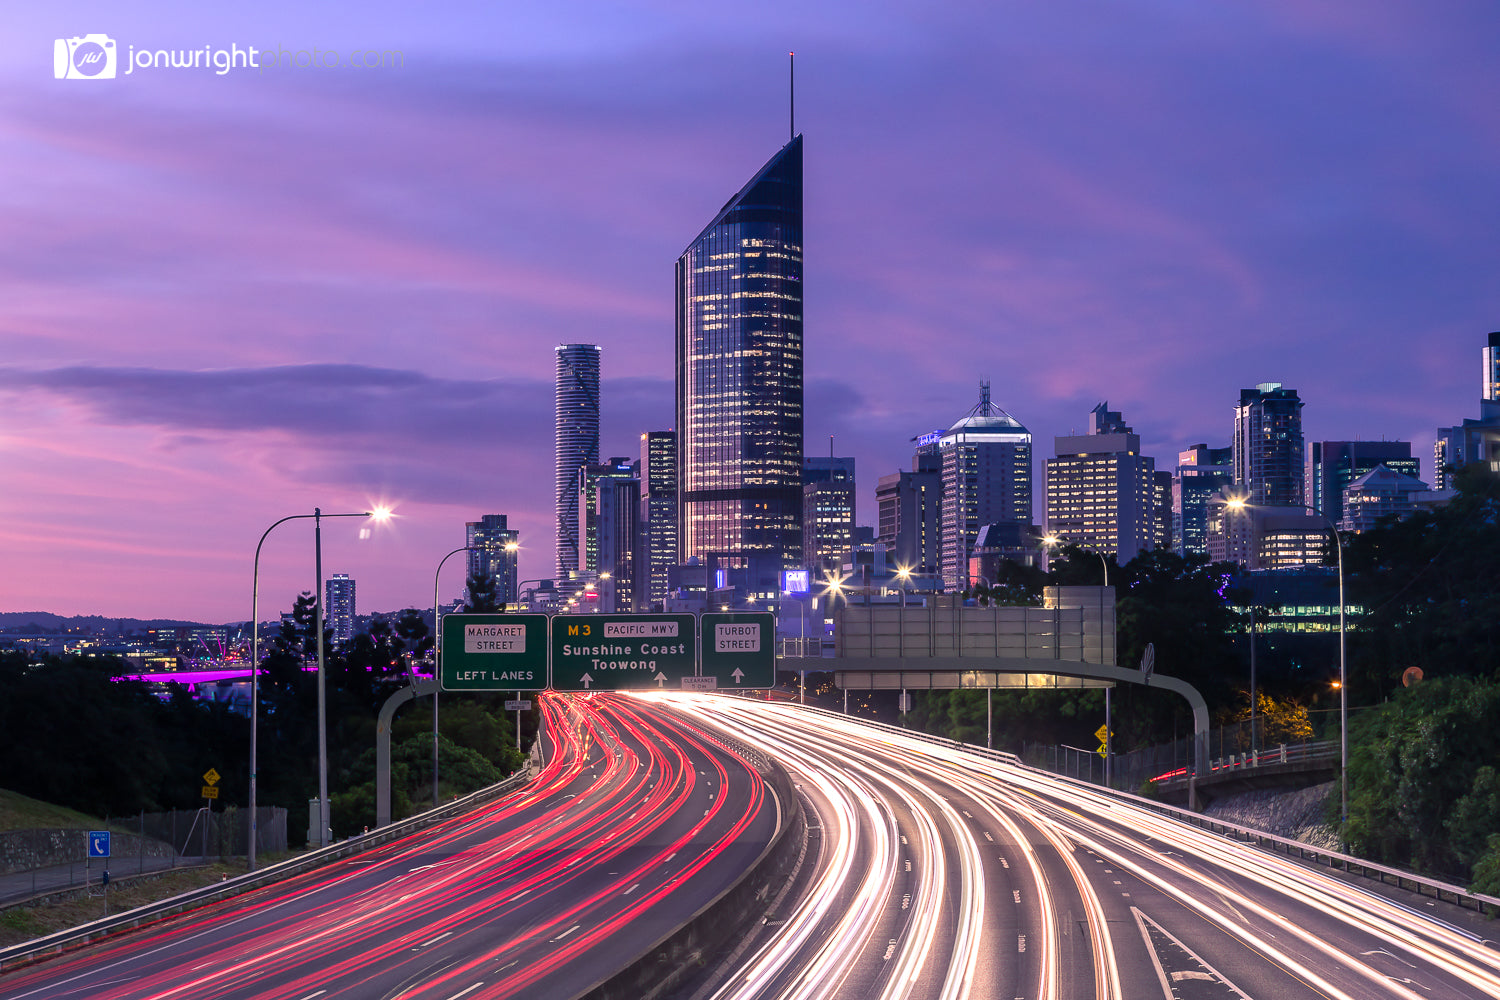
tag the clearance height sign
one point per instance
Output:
(494, 652)
(623, 652)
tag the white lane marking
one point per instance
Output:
(565, 933)
(988, 837)
(631, 889)
(433, 940)
(471, 989)
(317, 994)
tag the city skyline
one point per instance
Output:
(225, 299)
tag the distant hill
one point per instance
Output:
(46, 621)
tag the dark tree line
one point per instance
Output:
(75, 735)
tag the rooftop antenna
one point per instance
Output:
(792, 95)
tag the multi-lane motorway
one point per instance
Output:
(636, 821)
(927, 873)
(947, 875)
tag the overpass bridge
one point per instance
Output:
(1067, 643)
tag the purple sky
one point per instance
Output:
(229, 298)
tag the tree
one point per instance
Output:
(481, 597)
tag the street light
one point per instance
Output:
(1238, 503)
(380, 514)
(437, 641)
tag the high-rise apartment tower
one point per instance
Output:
(576, 443)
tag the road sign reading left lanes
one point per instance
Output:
(485, 652)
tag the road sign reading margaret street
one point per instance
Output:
(494, 652)
(623, 652)
(739, 649)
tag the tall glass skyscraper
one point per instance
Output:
(576, 443)
(739, 382)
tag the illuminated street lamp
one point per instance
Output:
(1238, 503)
(379, 514)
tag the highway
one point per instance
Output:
(942, 874)
(636, 821)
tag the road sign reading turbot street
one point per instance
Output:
(739, 649)
(623, 652)
(494, 652)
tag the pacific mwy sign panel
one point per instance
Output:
(623, 652)
(483, 652)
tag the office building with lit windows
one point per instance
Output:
(1333, 465)
(1102, 492)
(828, 508)
(1267, 446)
(591, 479)
(658, 546)
(909, 511)
(493, 550)
(739, 384)
(339, 600)
(1472, 440)
(1201, 473)
(986, 475)
(576, 442)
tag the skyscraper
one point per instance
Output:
(739, 382)
(658, 548)
(828, 509)
(1102, 492)
(1268, 446)
(1492, 369)
(590, 481)
(986, 479)
(339, 600)
(1201, 472)
(576, 443)
(492, 554)
(910, 511)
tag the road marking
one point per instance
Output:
(988, 837)
(1021, 943)
(433, 940)
(515, 961)
(565, 933)
(631, 889)
(511, 899)
(1016, 893)
(471, 989)
(317, 994)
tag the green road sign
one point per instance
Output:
(739, 650)
(623, 652)
(494, 652)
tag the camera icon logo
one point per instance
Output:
(91, 57)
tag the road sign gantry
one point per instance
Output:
(738, 650)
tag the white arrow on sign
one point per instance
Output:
(587, 679)
(661, 679)
(738, 675)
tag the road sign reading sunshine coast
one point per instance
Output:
(494, 652)
(623, 652)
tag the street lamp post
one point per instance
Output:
(1238, 503)
(437, 664)
(317, 515)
